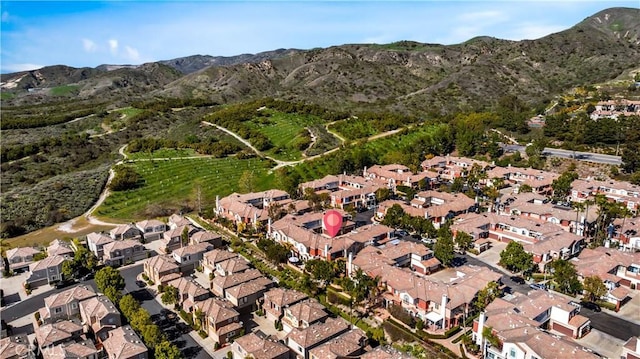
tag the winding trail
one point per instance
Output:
(68, 226)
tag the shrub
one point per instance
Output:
(202, 334)
(229, 355)
(161, 288)
(186, 317)
(397, 333)
(145, 276)
(216, 346)
(399, 313)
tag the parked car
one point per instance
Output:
(537, 286)
(517, 279)
(64, 283)
(87, 277)
(140, 284)
(592, 306)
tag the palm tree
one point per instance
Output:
(587, 203)
(578, 207)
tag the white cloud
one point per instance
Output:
(19, 67)
(89, 45)
(132, 54)
(113, 46)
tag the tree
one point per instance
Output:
(247, 182)
(515, 259)
(170, 295)
(68, 269)
(113, 294)
(594, 288)
(566, 277)
(320, 270)
(128, 305)
(443, 249)
(184, 236)
(382, 194)
(486, 296)
(562, 185)
(393, 216)
(525, 188)
(109, 277)
(166, 350)
(152, 335)
(464, 241)
(125, 178)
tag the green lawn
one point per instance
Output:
(282, 130)
(6, 95)
(172, 184)
(164, 153)
(129, 111)
(64, 90)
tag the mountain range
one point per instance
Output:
(404, 76)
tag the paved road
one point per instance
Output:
(581, 156)
(33, 303)
(602, 321)
(611, 325)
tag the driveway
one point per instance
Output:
(602, 344)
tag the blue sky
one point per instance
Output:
(90, 33)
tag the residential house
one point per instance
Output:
(276, 299)
(60, 248)
(96, 243)
(538, 309)
(370, 235)
(123, 252)
(619, 270)
(172, 239)
(220, 321)
(46, 271)
(66, 304)
(151, 229)
(189, 292)
(539, 181)
(538, 207)
(301, 341)
(451, 167)
(349, 344)
(176, 220)
(101, 315)
(400, 175)
(17, 347)
(161, 269)
(190, 256)
(621, 192)
(126, 231)
(329, 183)
(211, 259)
(72, 350)
(250, 208)
(631, 349)
(220, 284)
(626, 232)
(20, 258)
(560, 245)
(475, 225)
(231, 266)
(206, 237)
(253, 346)
(49, 335)
(356, 192)
(244, 295)
(615, 109)
(303, 314)
(124, 343)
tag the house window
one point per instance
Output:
(57, 310)
(74, 305)
(112, 320)
(230, 334)
(512, 353)
(300, 349)
(52, 270)
(244, 300)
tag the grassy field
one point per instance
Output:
(164, 153)
(173, 184)
(128, 111)
(44, 236)
(283, 129)
(64, 90)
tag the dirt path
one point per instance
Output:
(68, 226)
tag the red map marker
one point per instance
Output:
(332, 222)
